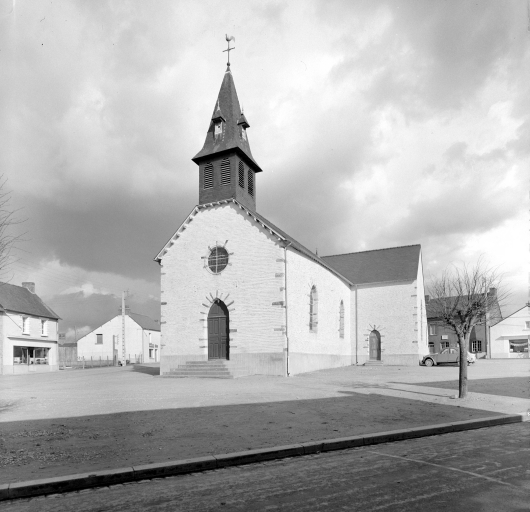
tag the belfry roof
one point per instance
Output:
(227, 106)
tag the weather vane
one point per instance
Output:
(228, 39)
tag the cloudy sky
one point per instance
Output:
(377, 124)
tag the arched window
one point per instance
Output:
(341, 319)
(313, 309)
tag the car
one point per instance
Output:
(446, 356)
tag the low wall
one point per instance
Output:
(19, 369)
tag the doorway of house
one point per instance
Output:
(375, 346)
(218, 340)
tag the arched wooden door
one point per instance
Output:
(375, 346)
(218, 340)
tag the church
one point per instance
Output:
(239, 296)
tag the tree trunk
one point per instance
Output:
(462, 374)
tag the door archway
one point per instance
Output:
(218, 339)
(375, 346)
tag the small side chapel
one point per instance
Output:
(242, 297)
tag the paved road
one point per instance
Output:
(486, 470)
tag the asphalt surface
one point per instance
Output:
(483, 470)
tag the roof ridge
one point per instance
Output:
(372, 250)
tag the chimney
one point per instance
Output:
(29, 286)
(427, 299)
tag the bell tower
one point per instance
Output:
(227, 168)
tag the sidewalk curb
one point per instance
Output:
(102, 478)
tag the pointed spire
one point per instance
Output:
(227, 129)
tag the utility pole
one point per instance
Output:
(486, 323)
(123, 352)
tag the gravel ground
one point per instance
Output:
(72, 422)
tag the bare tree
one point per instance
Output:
(463, 297)
(8, 240)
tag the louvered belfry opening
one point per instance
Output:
(250, 180)
(225, 172)
(241, 174)
(208, 175)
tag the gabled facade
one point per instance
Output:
(442, 336)
(237, 289)
(105, 343)
(510, 336)
(28, 331)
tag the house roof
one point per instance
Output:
(227, 107)
(499, 320)
(145, 322)
(20, 300)
(434, 305)
(378, 266)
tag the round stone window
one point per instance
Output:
(218, 260)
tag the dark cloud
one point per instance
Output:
(117, 234)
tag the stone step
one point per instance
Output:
(373, 363)
(197, 376)
(200, 366)
(189, 371)
(217, 369)
(210, 361)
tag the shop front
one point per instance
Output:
(37, 357)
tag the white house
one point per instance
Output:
(240, 292)
(142, 340)
(509, 337)
(28, 331)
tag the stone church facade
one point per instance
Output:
(238, 291)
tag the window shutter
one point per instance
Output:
(208, 175)
(225, 172)
(241, 175)
(250, 182)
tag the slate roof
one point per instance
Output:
(378, 266)
(20, 300)
(145, 322)
(433, 306)
(227, 105)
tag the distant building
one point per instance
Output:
(67, 353)
(28, 331)
(239, 292)
(142, 340)
(442, 336)
(509, 337)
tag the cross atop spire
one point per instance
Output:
(228, 39)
